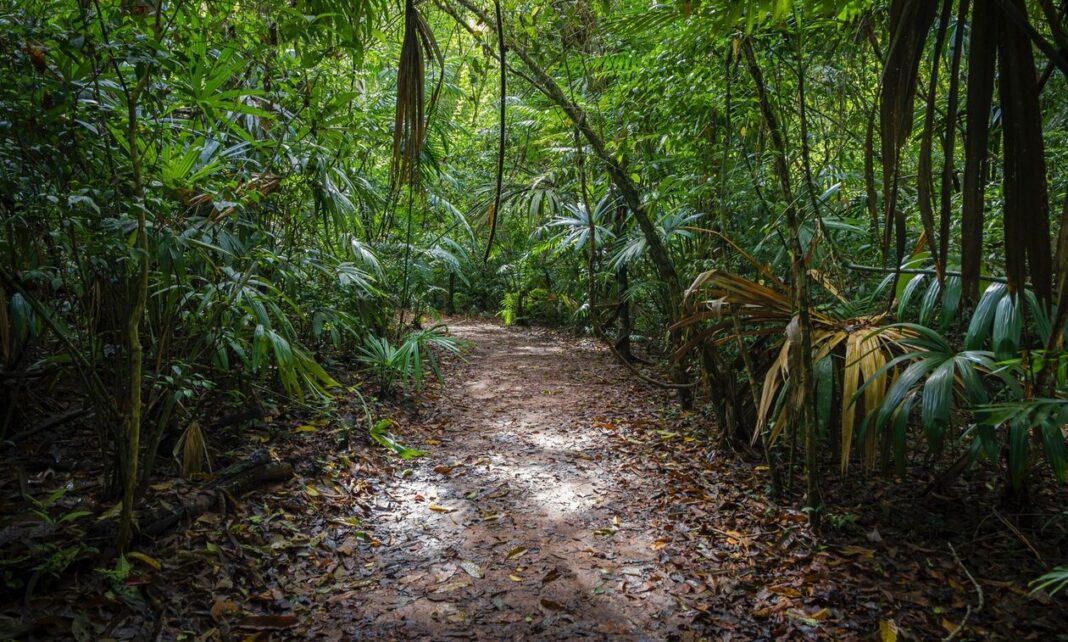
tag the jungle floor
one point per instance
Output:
(561, 499)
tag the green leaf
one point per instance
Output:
(1019, 449)
(937, 403)
(1054, 449)
(930, 302)
(979, 326)
(950, 302)
(380, 434)
(1007, 328)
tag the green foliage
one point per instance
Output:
(1053, 582)
(406, 365)
(379, 432)
(990, 385)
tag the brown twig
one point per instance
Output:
(978, 590)
(1019, 535)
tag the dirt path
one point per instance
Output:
(538, 540)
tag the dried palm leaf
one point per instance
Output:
(866, 345)
(194, 452)
(411, 116)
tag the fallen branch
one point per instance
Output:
(978, 590)
(259, 469)
(237, 479)
(48, 424)
(217, 494)
(886, 270)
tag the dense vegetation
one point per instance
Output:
(839, 229)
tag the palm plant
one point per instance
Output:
(1052, 582)
(726, 308)
(942, 377)
(406, 365)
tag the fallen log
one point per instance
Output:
(256, 470)
(259, 469)
(48, 424)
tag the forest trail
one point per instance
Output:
(547, 534)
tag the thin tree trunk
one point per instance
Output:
(799, 334)
(626, 323)
(981, 58)
(132, 427)
(1026, 216)
(949, 141)
(925, 180)
(449, 298)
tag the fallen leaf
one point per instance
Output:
(515, 578)
(305, 428)
(785, 591)
(859, 551)
(443, 470)
(517, 552)
(552, 605)
(222, 608)
(471, 569)
(810, 619)
(887, 631)
(141, 557)
(441, 509)
(449, 587)
(950, 627)
(660, 543)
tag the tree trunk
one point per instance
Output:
(981, 58)
(449, 297)
(626, 323)
(799, 334)
(132, 421)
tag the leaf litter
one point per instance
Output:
(591, 512)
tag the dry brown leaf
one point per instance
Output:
(471, 569)
(552, 605)
(222, 608)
